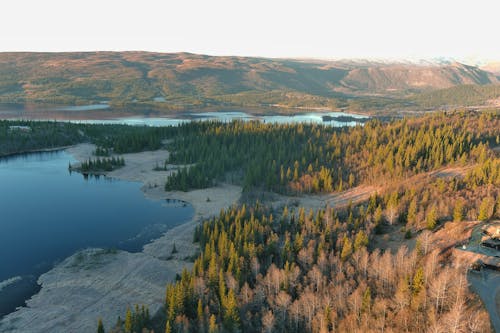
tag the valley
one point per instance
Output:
(401, 195)
(177, 82)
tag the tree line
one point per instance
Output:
(316, 271)
(303, 158)
(100, 164)
(293, 269)
(117, 139)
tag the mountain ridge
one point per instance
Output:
(180, 80)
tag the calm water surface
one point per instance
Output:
(47, 214)
(103, 114)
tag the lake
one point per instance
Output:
(48, 214)
(103, 114)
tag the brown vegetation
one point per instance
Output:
(134, 79)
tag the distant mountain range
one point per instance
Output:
(178, 81)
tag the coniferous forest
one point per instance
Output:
(292, 269)
(313, 158)
(262, 268)
(100, 164)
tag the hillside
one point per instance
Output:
(401, 77)
(308, 229)
(181, 80)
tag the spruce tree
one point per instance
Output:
(128, 321)
(431, 218)
(231, 316)
(212, 326)
(458, 211)
(100, 327)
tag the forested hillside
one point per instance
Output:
(315, 159)
(467, 95)
(181, 81)
(294, 269)
(320, 271)
(40, 135)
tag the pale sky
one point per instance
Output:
(272, 28)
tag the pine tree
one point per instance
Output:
(231, 316)
(431, 218)
(346, 249)
(100, 327)
(360, 241)
(418, 281)
(128, 321)
(222, 288)
(212, 326)
(212, 271)
(458, 211)
(486, 209)
(199, 314)
(412, 212)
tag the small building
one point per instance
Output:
(20, 128)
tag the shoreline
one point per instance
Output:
(31, 151)
(95, 283)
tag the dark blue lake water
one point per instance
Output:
(46, 214)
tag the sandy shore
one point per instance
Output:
(98, 283)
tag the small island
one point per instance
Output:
(98, 165)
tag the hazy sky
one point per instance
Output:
(272, 28)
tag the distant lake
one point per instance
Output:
(103, 114)
(48, 214)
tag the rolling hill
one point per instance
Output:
(177, 81)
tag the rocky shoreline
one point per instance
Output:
(97, 283)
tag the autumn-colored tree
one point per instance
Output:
(212, 325)
(458, 211)
(360, 241)
(128, 321)
(230, 314)
(486, 209)
(432, 218)
(346, 249)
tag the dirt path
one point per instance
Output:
(311, 201)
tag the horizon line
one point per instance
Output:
(413, 58)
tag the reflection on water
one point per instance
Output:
(49, 213)
(103, 114)
(83, 107)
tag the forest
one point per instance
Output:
(118, 139)
(316, 159)
(459, 96)
(292, 268)
(99, 165)
(295, 269)
(321, 271)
